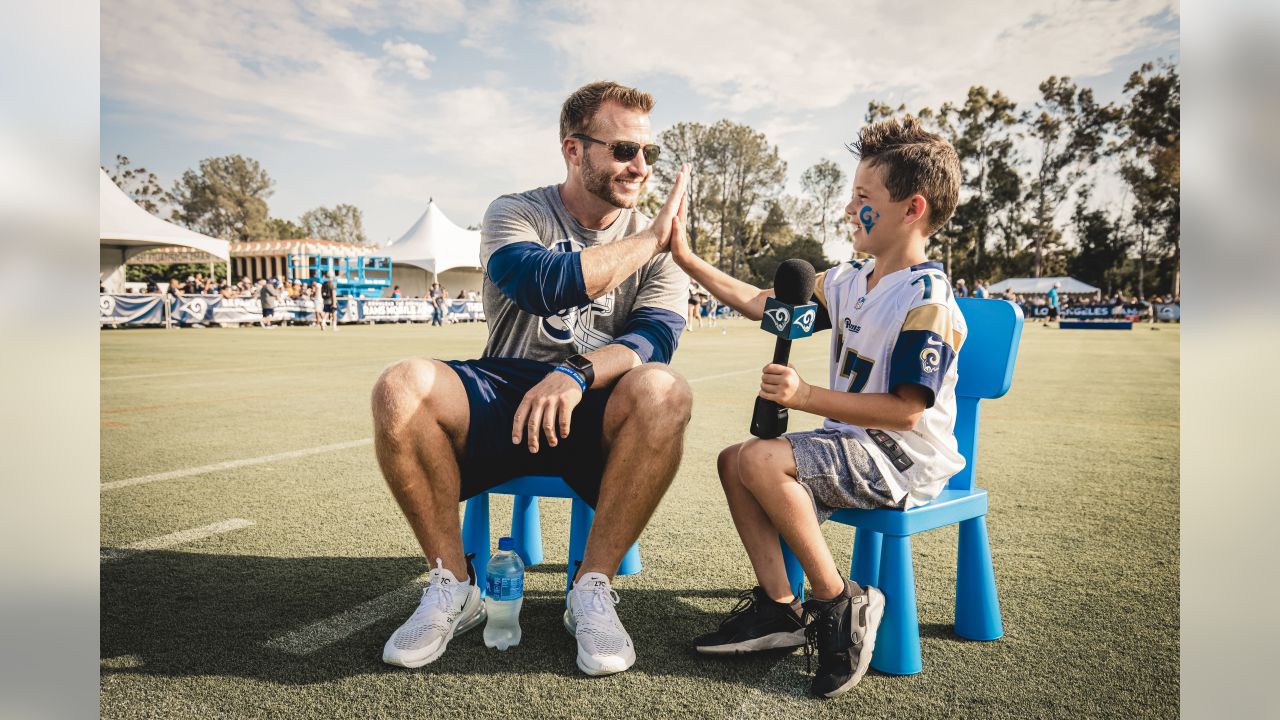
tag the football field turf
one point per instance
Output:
(254, 563)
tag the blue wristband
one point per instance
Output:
(577, 377)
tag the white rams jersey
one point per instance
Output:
(908, 329)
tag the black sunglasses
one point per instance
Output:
(625, 150)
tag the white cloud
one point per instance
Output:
(410, 56)
(756, 54)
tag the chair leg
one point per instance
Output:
(865, 568)
(630, 564)
(897, 650)
(526, 529)
(579, 528)
(795, 572)
(475, 536)
(977, 605)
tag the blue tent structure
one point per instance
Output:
(1042, 285)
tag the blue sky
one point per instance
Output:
(384, 104)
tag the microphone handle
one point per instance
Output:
(769, 420)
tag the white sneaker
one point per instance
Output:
(604, 647)
(447, 608)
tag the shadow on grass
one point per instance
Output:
(180, 614)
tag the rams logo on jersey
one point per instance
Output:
(931, 356)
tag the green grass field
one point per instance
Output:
(1080, 458)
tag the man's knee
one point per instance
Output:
(654, 392)
(408, 393)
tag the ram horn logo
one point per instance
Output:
(779, 316)
(931, 356)
(805, 321)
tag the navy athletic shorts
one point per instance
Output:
(495, 387)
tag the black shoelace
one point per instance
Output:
(746, 605)
(819, 622)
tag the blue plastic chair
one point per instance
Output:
(882, 543)
(526, 525)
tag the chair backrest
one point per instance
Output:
(986, 364)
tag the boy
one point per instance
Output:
(888, 439)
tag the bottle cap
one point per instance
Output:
(506, 543)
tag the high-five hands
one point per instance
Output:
(547, 408)
(664, 221)
(783, 385)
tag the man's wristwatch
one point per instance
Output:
(584, 368)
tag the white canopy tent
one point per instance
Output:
(124, 230)
(435, 250)
(1042, 285)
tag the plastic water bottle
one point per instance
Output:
(505, 594)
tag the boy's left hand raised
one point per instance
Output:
(783, 385)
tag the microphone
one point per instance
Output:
(790, 316)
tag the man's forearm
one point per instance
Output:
(746, 299)
(610, 363)
(604, 267)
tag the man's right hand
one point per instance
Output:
(663, 222)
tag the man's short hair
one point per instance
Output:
(914, 161)
(580, 108)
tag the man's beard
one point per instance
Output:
(600, 183)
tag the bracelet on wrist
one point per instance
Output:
(577, 376)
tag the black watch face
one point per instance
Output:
(577, 362)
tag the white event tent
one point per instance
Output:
(435, 250)
(1042, 285)
(124, 230)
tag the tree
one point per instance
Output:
(340, 223)
(766, 264)
(227, 198)
(1150, 150)
(984, 133)
(825, 183)
(282, 229)
(687, 143)
(745, 171)
(141, 185)
(1071, 129)
(1102, 247)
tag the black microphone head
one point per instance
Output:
(793, 282)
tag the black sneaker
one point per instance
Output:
(844, 632)
(755, 623)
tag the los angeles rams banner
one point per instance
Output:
(1103, 312)
(215, 309)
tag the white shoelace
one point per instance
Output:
(600, 601)
(440, 593)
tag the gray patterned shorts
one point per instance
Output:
(838, 473)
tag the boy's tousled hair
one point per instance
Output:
(580, 108)
(913, 161)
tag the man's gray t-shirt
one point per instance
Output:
(539, 216)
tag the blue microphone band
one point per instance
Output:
(789, 322)
(577, 376)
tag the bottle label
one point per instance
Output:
(504, 588)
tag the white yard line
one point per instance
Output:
(321, 634)
(177, 538)
(188, 472)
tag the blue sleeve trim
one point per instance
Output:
(652, 333)
(538, 280)
(920, 358)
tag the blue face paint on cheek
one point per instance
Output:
(868, 218)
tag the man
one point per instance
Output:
(960, 290)
(329, 296)
(267, 295)
(1053, 303)
(585, 308)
